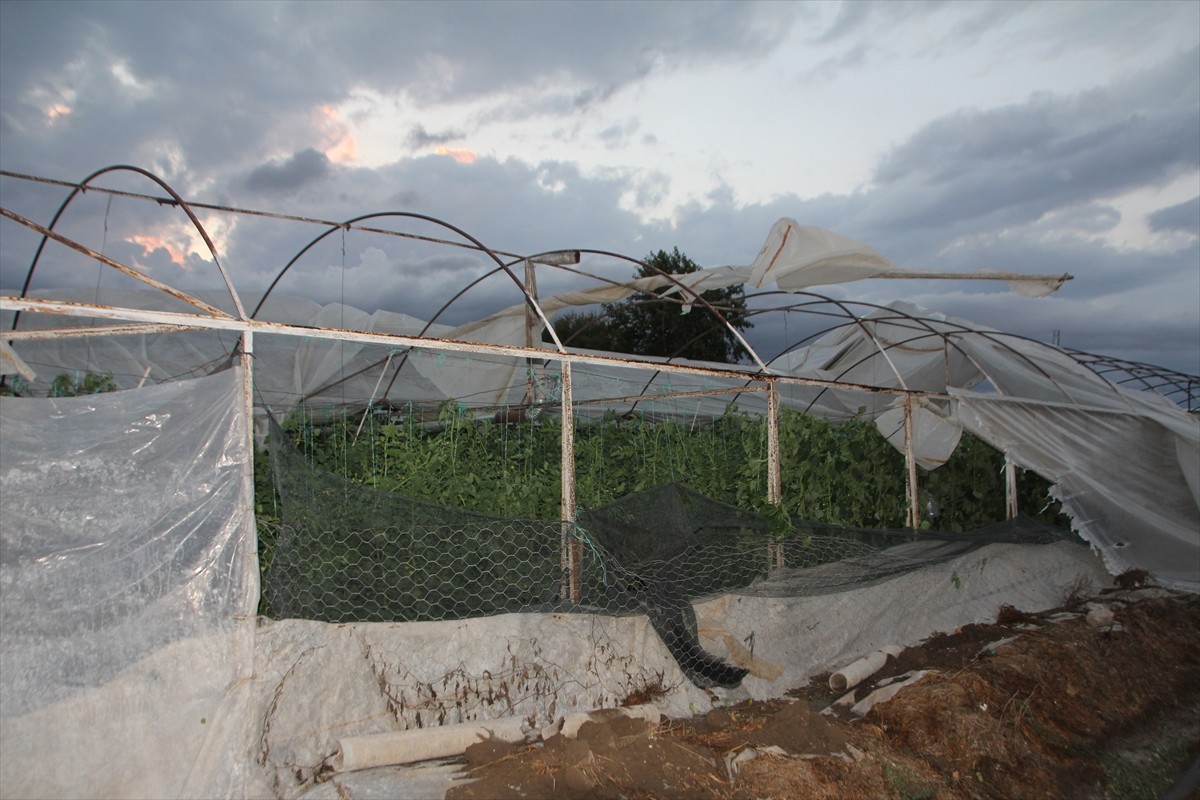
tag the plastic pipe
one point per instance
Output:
(855, 673)
(409, 747)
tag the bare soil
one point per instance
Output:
(1065, 708)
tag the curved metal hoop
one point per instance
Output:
(82, 187)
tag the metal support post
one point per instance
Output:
(910, 461)
(531, 323)
(572, 552)
(775, 554)
(1012, 503)
(247, 365)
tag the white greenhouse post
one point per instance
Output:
(910, 461)
(774, 477)
(248, 380)
(248, 400)
(775, 557)
(371, 399)
(570, 542)
(531, 323)
(1010, 488)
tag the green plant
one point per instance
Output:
(904, 783)
(14, 386)
(843, 474)
(1148, 773)
(65, 384)
(73, 385)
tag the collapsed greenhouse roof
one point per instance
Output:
(1124, 463)
(132, 556)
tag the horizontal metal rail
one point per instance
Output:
(196, 321)
(132, 329)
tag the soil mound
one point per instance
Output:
(1093, 700)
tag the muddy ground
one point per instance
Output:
(1048, 705)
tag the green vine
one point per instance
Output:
(843, 473)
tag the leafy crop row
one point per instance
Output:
(845, 474)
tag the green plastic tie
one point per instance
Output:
(582, 536)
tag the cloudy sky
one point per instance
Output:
(1034, 137)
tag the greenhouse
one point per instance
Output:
(245, 531)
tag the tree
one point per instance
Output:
(649, 324)
(585, 329)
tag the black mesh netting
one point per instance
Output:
(346, 552)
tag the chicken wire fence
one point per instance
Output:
(347, 552)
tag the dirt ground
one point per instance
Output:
(1048, 705)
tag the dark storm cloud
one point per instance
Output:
(376, 277)
(1023, 188)
(301, 168)
(213, 96)
(419, 138)
(199, 91)
(507, 205)
(178, 88)
(1017, 162)
(1184, 217)
(988, 170)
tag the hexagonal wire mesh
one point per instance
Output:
(346, 552)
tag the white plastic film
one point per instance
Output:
(1126, 479)
(129, 583)
(935, 433)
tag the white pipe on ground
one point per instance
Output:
(853, 674)
(409, 747)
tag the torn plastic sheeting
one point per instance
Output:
(935, 433)
(1126, 475)
(797, 256)
(885, 693)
